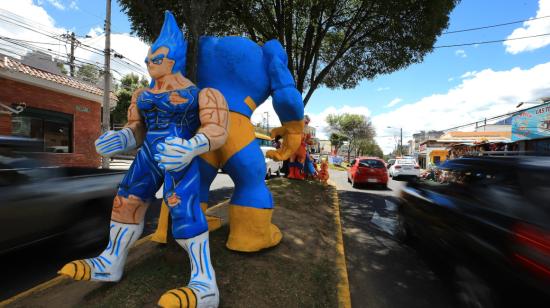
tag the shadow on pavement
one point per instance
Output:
(382, 272)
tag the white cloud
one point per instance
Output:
(461, 53)
(318, 120)
(484, 94)
(450, 79)
(73, 5)
(394, 102)
(260, 116)
(380, 89)
(131, 47)
(95, 31)
(468, 74)
(531, 28)
(57, 4)
(33, 15)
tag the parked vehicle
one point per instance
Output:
(489, 220)
(271, 165)
(368, 170)
(39, 203)
(404, 167)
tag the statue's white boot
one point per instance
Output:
(109, 265)
(202, 290)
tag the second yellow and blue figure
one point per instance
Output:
(247, 74)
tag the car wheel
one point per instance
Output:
(353, 184)
(471, 290)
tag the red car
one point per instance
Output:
(368, 170)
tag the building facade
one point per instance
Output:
(62, 112)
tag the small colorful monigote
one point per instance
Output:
(323, 174)
(297, 166)
(172, 121)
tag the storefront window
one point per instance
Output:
(53, 128)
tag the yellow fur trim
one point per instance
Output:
(161, 234)
(250, 229)
(250, 103)
(241, 133)
(182, 298)
(214, 222)
(77, 270)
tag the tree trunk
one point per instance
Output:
(197, 16)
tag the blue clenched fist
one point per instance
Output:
(176, 153)
(114, 142)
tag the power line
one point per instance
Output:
(490, 42)
(25, 41)
(496, 25)
(135, 67)
(495, 117)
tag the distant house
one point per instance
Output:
(435, 151)
(63, 112)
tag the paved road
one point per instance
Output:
(382, 272)
(28, 268)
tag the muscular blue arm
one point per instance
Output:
(287, 101)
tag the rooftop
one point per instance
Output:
(13, 65)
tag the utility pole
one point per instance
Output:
(267, 121)
(107, 75)
(401, 143)
(71, 57)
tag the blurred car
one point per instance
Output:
(59, 205)
(272, 166)
(368, 170)
(404, 167)
(390, 162)
(489, 220)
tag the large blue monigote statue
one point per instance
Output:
(186, 133)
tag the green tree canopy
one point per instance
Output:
(332, 43)
(89, 73)
(128, 84)
(337, 140)
(368, 147)
(354, 127)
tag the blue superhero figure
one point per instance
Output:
(247, 74)
(173, 121)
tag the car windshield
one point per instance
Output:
(371, 163)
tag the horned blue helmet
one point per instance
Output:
(171, 37)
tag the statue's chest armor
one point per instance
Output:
(179, 115)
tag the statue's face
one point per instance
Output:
(158, 64)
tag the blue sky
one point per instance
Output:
(432, 75)
(451, 86)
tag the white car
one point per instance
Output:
(404, 167)
(271, 166)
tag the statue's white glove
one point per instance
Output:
(114, 142)
(176, 153)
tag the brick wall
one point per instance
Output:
(5, 124)
(86, 119)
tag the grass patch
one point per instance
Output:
(299, 272)
(338, 168)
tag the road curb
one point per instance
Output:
(344, 298)
(55, 281)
